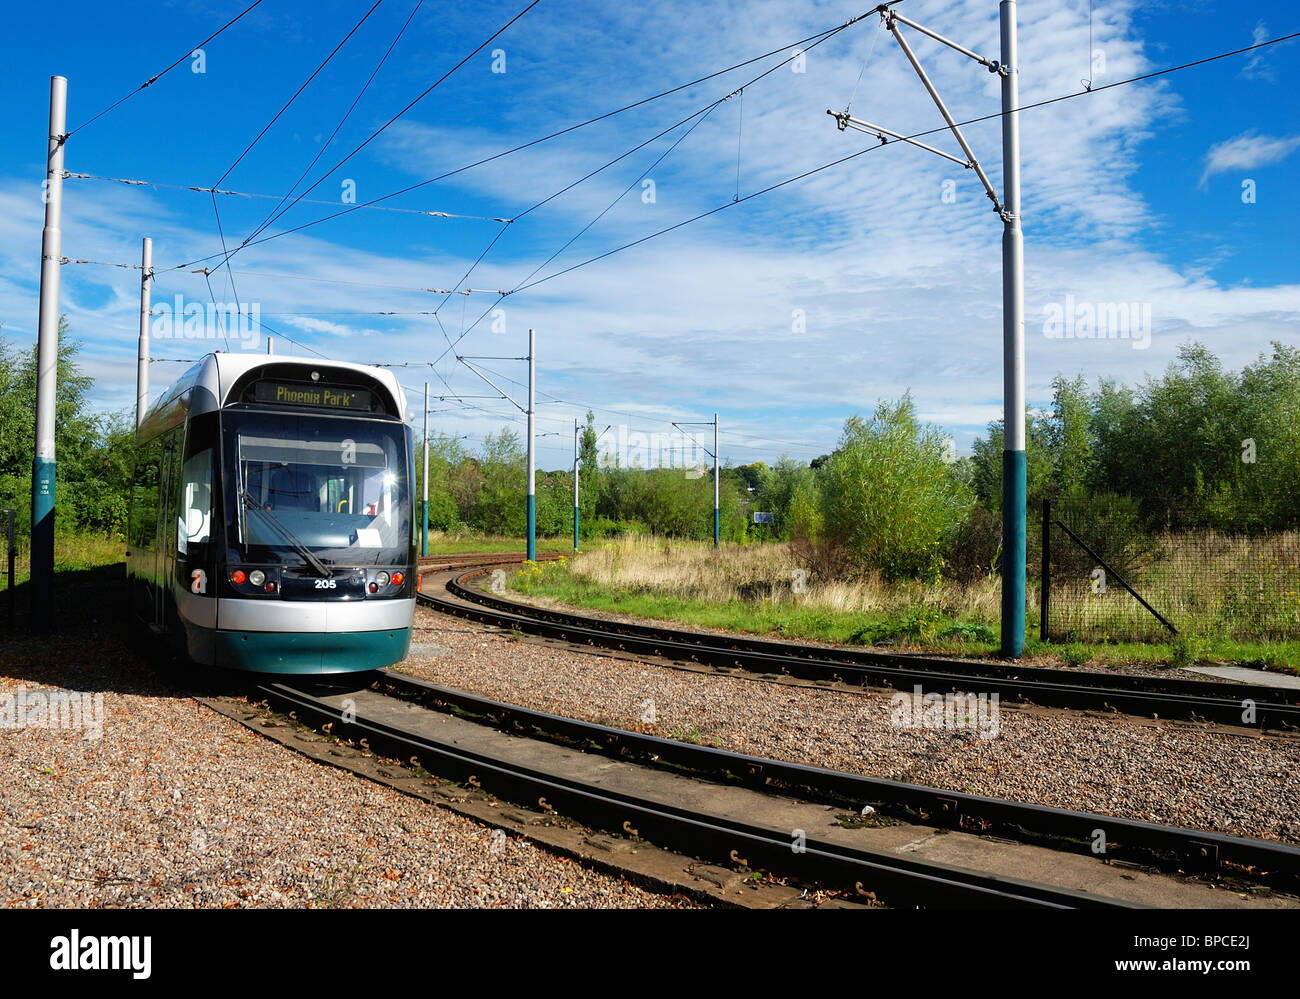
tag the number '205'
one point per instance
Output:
(325, 584)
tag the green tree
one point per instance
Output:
(591, 477)
(83, 496)
(1175, 440)
(986, 462)
(888, 496)
(789, 493)
(445, 455)
(498, 505)
(754, 476)
(1068, 435)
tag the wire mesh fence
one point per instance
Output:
(1105, 577)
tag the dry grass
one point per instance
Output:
(1246, 589)
(768, 574)
(758, 590)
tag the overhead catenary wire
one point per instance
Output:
(700, 113)
(226, 336)
(703, 114)
(266, 128)
(1087, 84)
(69, 175)
(916, 135)
(553, 135)
(1046, 102)
(297, 93)
(861, 71)
(851, 156)
(158, 76)
(740, 131)
(303, 277)
(346, 114)
(377, 132)
(227, 253)
(742, 443)
(451, 345)
(970, 121)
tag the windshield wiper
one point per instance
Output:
(308, 555)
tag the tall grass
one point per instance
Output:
(1233, 587)
(72, 552)
(759, 589)
(763, 589)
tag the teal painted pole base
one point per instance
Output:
(1014, 511)
(424, 527)
(42, 554)
(532, 528)
(575, 528)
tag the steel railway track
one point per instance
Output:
(897, 879)
(1126, 839)
(1257, 707)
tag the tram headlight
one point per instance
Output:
(381, 578)
(257, 577)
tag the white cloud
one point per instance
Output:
(1257, 66)
(1246, 152)
(898, 288)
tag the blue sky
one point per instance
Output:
(1131, 195)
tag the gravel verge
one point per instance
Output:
(175, 805)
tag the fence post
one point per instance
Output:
(1045, 587)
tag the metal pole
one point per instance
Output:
(47, 363)
(142, 365)
(1014, 497)
(424, 504)
(270, 345)
(715, 481)
(575, 483)
(532, 452)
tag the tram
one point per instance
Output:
(271, 526)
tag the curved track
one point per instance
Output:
(1241, 705)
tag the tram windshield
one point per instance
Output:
(316, 490)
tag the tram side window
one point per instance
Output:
(170, 493)
(144, 495)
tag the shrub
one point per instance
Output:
(888, 496)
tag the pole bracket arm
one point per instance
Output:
(992, 65)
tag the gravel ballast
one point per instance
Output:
(177, 806)
(1242, 783)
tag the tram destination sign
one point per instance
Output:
(316, 396)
